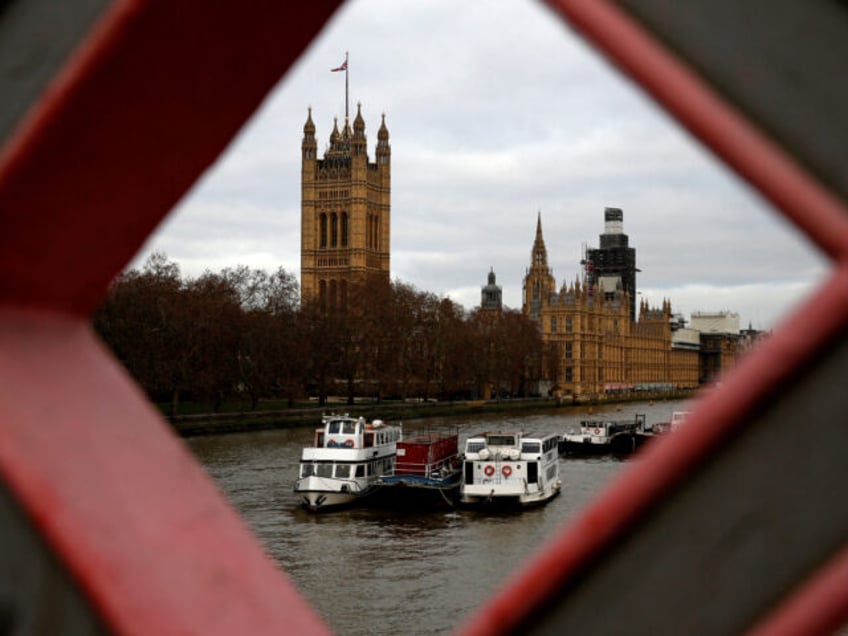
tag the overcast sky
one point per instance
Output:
(496, 111)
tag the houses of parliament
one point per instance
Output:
(600, 342)
(597, 339)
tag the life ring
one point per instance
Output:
(332, 443)
(349, 443)
(597, 431)
(489, 470)
(506, 470)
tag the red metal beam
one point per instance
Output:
(817, 211)
(119, 499)
(796, 344)
(146, 103)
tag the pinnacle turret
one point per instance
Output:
(359, 122)
(383, 133)
(309, 126)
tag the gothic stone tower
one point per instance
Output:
(491, 296)
(345, 212)
(539, 282)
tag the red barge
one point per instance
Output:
(427, 474)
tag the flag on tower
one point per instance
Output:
(343, 67)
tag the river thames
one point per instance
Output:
(382, 572)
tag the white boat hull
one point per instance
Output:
(517, 493)
(323, 493)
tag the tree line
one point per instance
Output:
(242, 334)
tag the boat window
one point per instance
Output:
(306, 470)
(335, 427)
(324, 470)
(531, 447)
(343, 471)
(501, 440)
(360, 470)
(474, 447)
(349, 428)
(370, 469)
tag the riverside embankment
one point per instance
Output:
(266, 419)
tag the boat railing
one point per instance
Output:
(442, 467)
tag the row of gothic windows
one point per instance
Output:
(372, 234)
(333, 231)
(333, 293)
(568, 324)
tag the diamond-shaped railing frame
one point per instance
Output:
(123, 113)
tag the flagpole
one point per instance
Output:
(347, 114)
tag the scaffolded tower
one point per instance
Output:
(611, 268)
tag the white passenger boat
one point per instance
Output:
(510, 468)
(345, 462)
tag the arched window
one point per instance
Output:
(334, 230)
(344, 229)
(323, 232)
(367, 231)
(333, 294)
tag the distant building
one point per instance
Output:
(345, 211)
(594, 345)
(725, 322)
(721, 342)
(491, 296)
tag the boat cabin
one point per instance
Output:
(610, 428)
(347, 432)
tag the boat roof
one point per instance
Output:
(518, 434)
(428, 438)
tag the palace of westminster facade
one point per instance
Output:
(597, 342)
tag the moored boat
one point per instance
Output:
(677, 420)
(347, 458)
(606, 436)
(511, 469)
(427, 473)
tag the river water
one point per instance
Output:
(382, 572)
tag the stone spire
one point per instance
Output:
(539, 255)
(539, 281)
